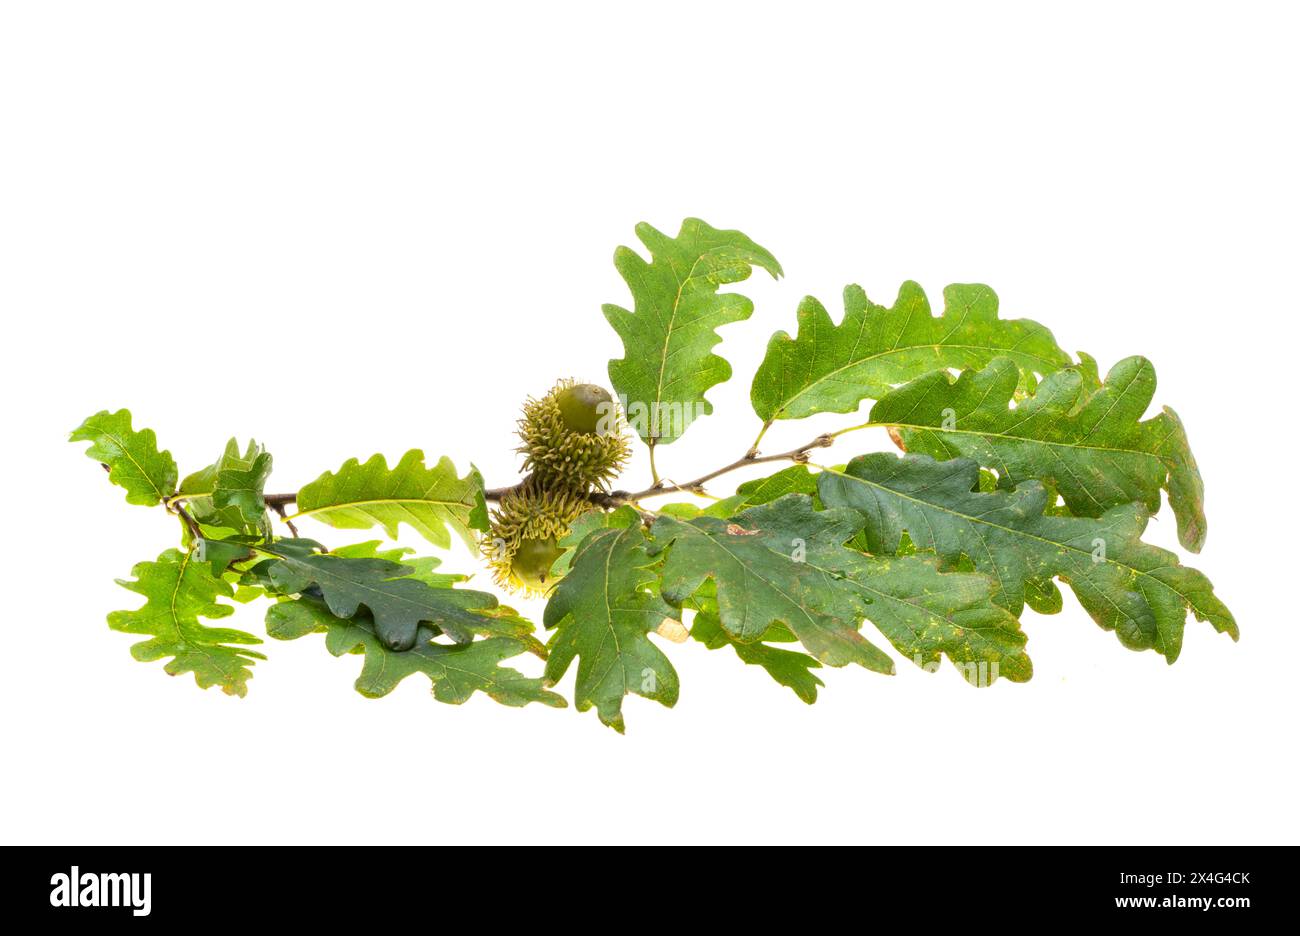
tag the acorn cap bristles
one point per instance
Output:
(558, 456)
(529, 512)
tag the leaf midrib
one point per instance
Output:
(1001, 435)
(117, 440)
(318, 570)
(380, 501)
(788, 402)
(746, 569)
(239, 662)
(672, 322)
(1011, 530)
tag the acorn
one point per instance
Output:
(573, 437)
(531, 565)
(527, 526)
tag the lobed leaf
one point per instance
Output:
(790, 668)
(758, 561)
(227, 495)
(429, 500)
(588, 523)
(1093, 449)
(422, 568)
(602, 611)
(456, 672)
(795, 479)
(831, 368)
(398, 601)
(668, 336)
(1128, 586)
(179, 590)
(132, 457)
(928, 614)
(924, 612)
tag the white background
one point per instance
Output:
(356, 228)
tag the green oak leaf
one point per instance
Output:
(928, 614)
(795, 479)
(1128, 586)
(832, 368)
(179, 590)
(198, 485)
(1089, 372)
(256, 576)
(429, 500)
(398, 602)
(680, 510)
(495, 621)
(220, 554)
(422, 567)
(244, 594)
(602, 611)
(132, 457)
(586, 524)
(668, 336)
(924, 612)
(457, 672)
(684, 510)
(790, 668)
(239, 492)
(291, 618)
(1093, 449)
(227, 495)
(758, 564)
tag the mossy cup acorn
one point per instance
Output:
(527, 525)
(573, 437)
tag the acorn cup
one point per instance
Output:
(573, 445)
(573, 438)
(527, 526)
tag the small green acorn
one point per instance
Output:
(527, 525)
(582, 406)
(573, 437)
(531, 565)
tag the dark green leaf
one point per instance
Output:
(398, 601)
(494, 621)
(788, 667)
(925, 613)
(457, 672)
(602, 611)
(422, 567)
(1138, 590)
(1093, 449)
(220, 554)
(757, 563)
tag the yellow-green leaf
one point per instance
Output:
(132, 457)
(831, 368)
(179, 590)
(429, 500)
